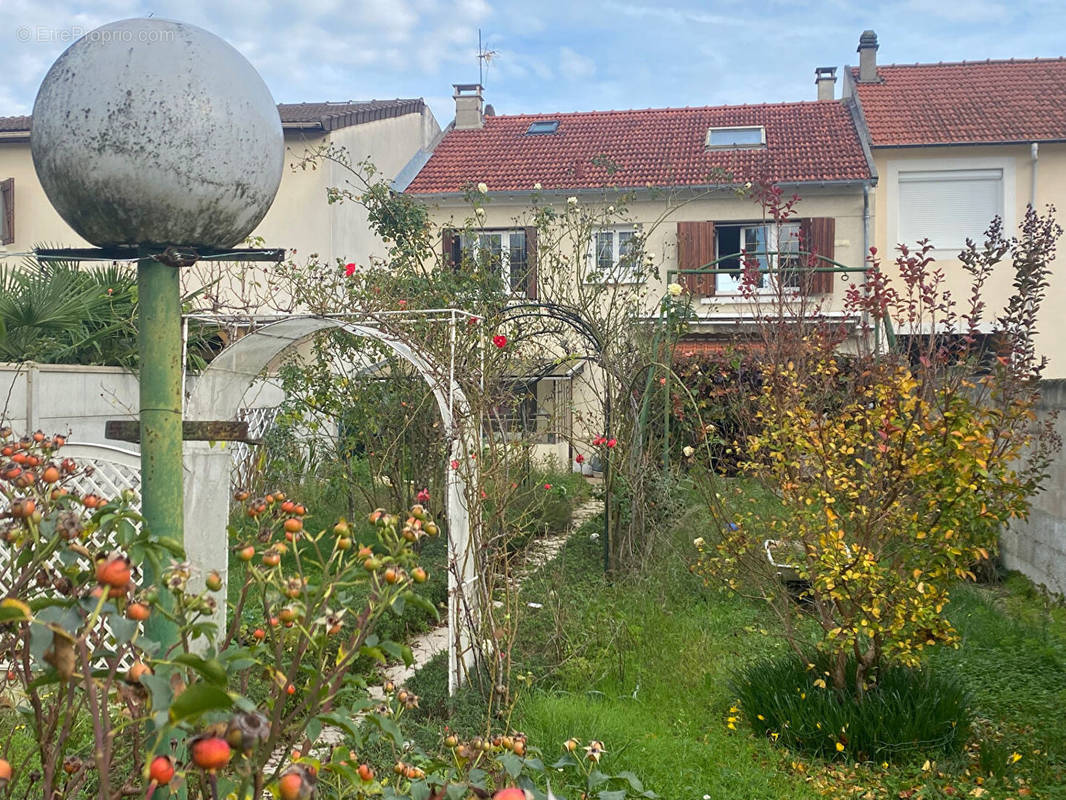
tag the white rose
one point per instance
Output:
(688, 451)
(480, 213)
(571, 201)
(698, 541)
(483, 188)
(537, 186)
(674, 289)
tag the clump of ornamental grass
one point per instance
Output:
(908, 714)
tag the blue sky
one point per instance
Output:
(551, 55)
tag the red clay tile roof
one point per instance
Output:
(330, 116)
(302, 116)
(662, 147)
(14, 124)
(966, 102)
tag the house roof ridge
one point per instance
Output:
(354, 102)
(970, 63)
(655, 110)
(321, 113)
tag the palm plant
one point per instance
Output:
(57, 312)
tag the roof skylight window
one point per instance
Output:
(737, 137)
(543, 126)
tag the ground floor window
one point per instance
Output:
(504, 250)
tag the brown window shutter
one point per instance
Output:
(817, 236)
(451, 257)
(7, 200)
(695, 249)
(531, 262)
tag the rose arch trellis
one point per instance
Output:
(219, 393)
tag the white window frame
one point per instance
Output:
(726, 284)
(474, 249)
(617, 274)
(736, 146)
(1005, 164)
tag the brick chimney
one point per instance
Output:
(868, 57)
(825, 78)
(468, 106)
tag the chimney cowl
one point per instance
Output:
(867, 51)
(867, 39)
(469, 106)
(825, 78)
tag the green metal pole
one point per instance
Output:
(666, 415)
(159, 332)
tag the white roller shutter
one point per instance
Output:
(948, 206)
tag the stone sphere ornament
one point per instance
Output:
(148, 131)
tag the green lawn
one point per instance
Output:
(644, 664)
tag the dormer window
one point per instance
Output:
(743, 137)
(542, 127)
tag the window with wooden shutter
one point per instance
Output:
(695, 249)
(7, 211)
(818, 235)
(531, 263)
(450, 252)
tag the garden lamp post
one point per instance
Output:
(156, 141)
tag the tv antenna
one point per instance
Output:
(484, 57)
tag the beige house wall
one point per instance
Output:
(300, 218)
(1018, 174)
(657, 216)
(36, 222)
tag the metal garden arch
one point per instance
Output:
(218, 394)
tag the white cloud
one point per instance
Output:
(676, 16)
(553, 55)
(575, 66)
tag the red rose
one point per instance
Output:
(349, 269)
(580, 459)
(455, 463)
(499, 340)
(612, 442)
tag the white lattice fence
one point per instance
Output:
(246, 456)
(106, 472)
(109, 470)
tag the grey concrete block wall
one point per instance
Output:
(1037, 547)
(58, 398)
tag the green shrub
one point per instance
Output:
(907, 714)
(722, 384)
